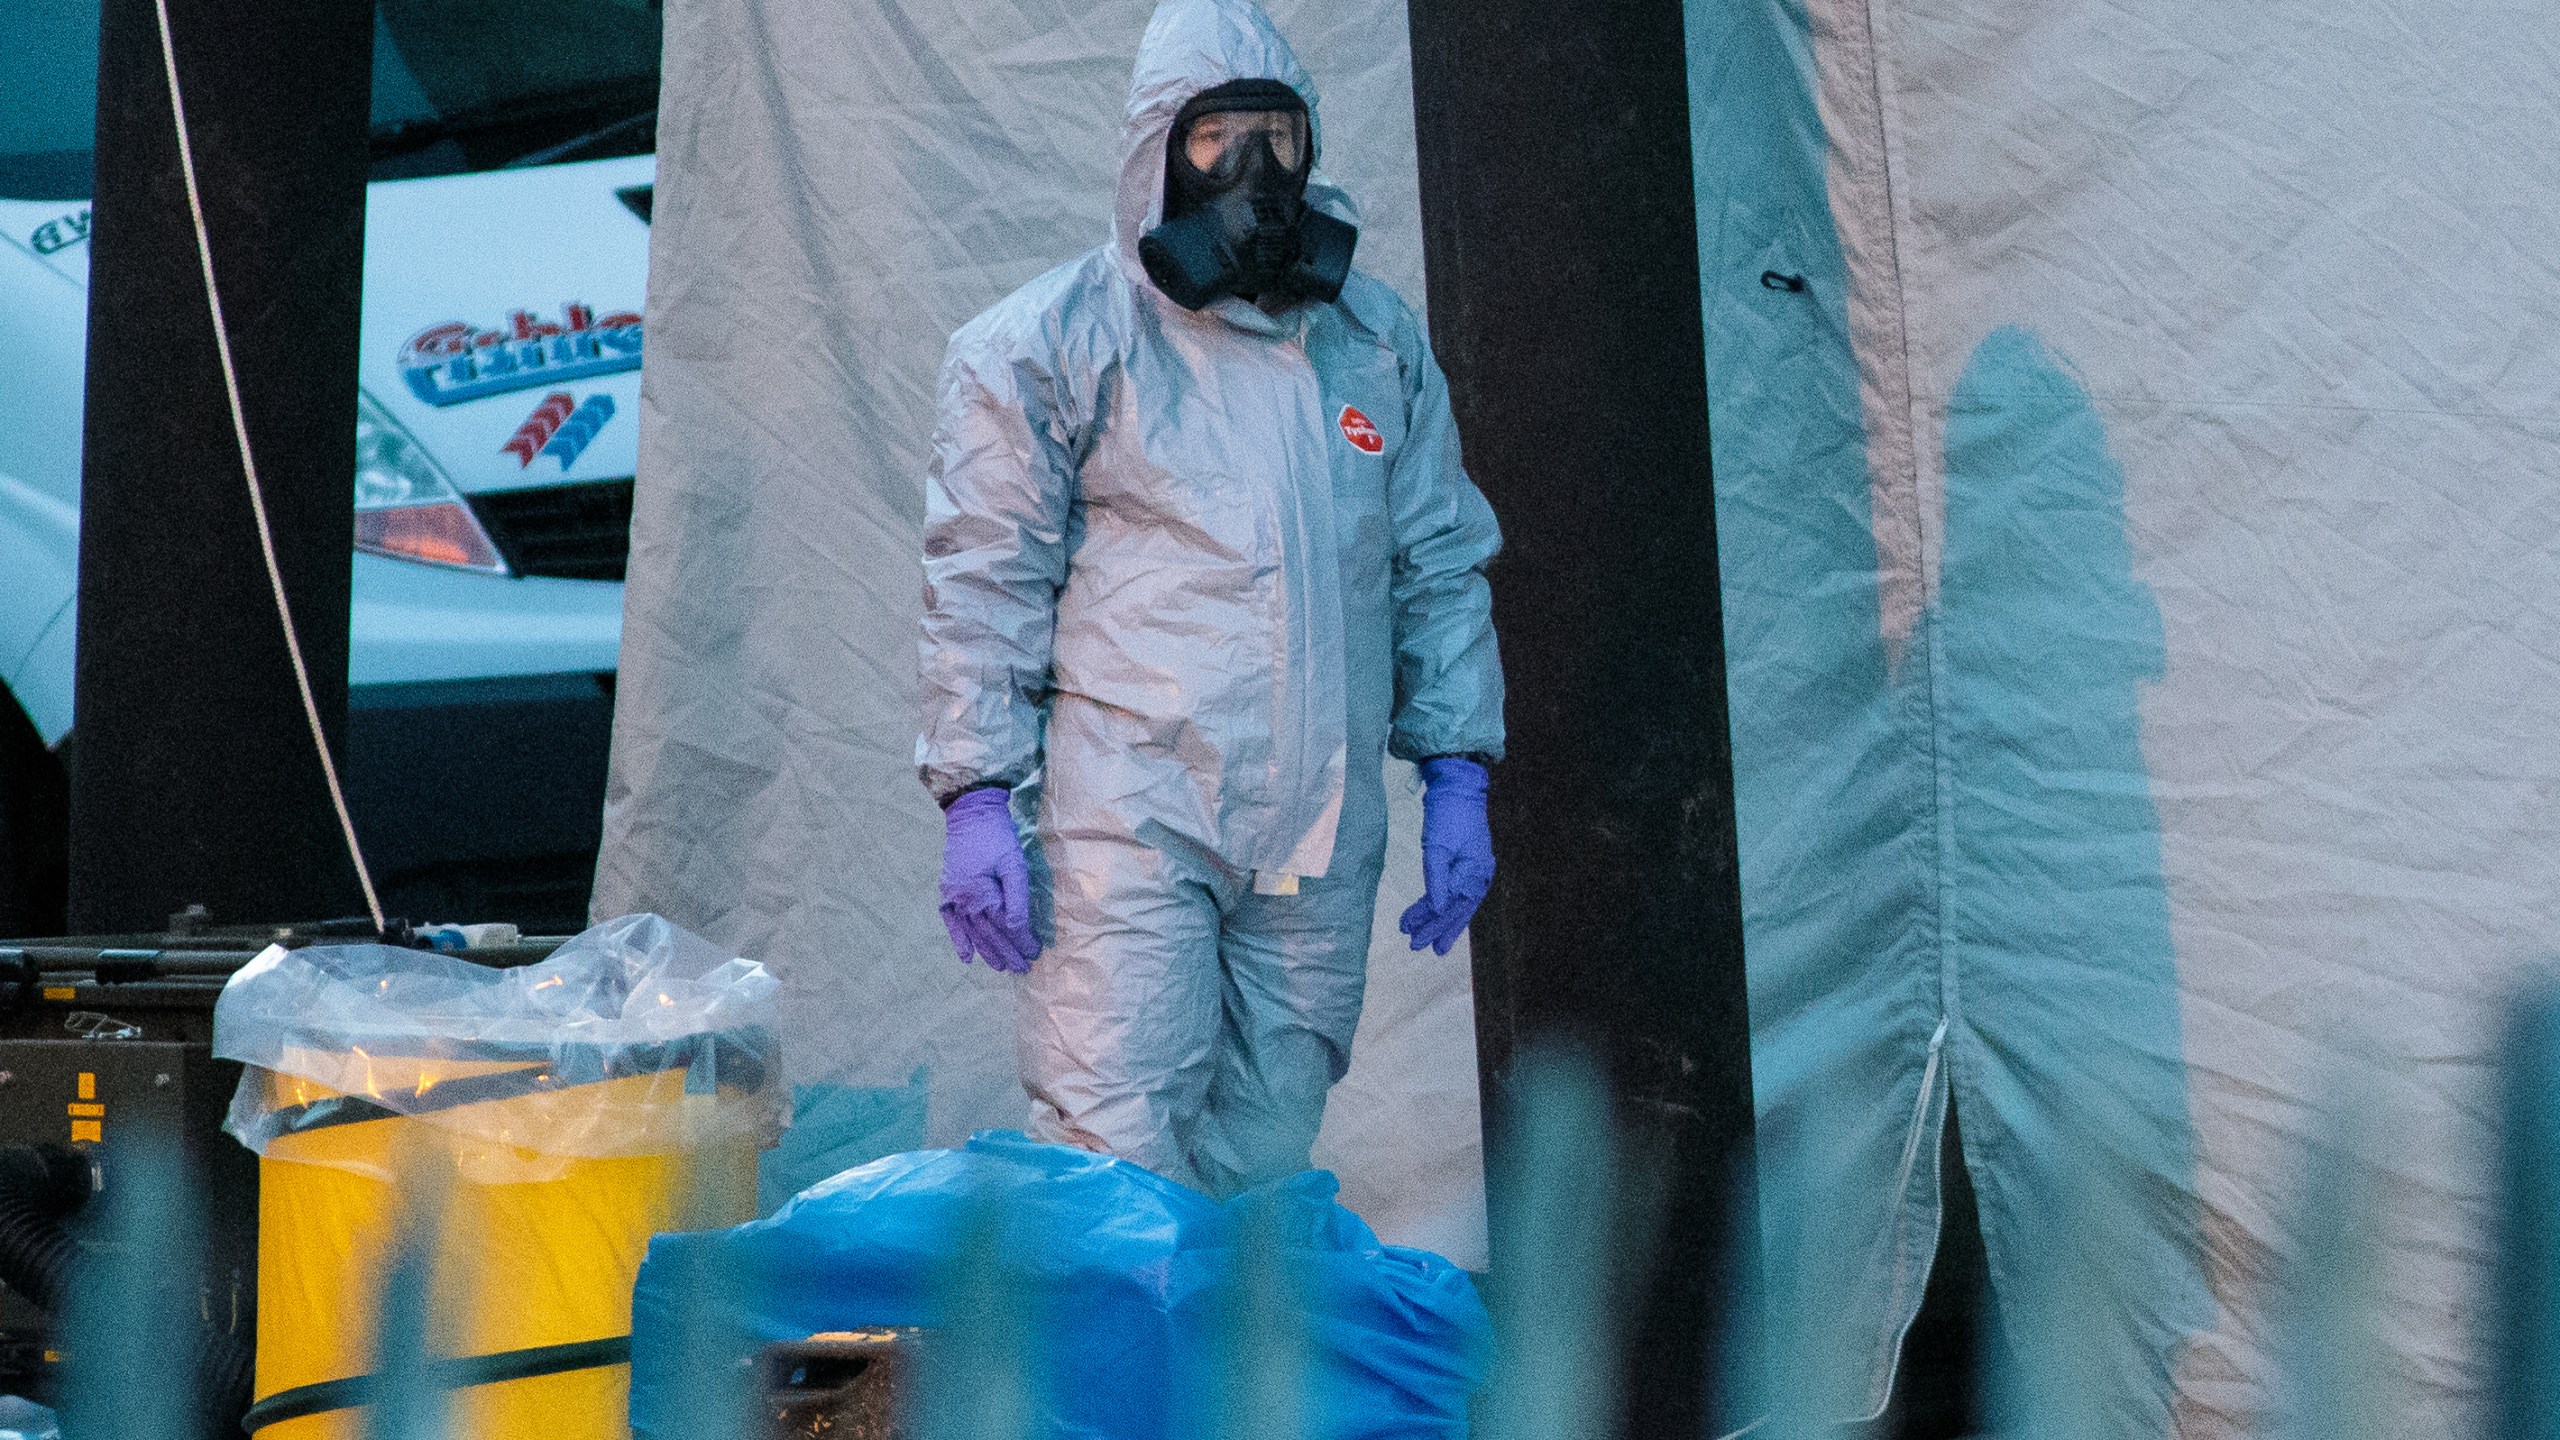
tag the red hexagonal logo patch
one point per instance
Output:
(1362, 434)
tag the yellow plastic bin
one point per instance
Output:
(550, 1119)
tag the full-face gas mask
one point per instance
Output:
(1236, 217)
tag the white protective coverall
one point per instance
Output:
(1189, 576)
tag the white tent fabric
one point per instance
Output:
(2135, 428)
(840, 187)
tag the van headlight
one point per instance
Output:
(405, 508)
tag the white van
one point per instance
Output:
(506, 250)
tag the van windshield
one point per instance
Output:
(458, 85)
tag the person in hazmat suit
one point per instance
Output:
(1198, 556)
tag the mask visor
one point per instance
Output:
(1218, 141)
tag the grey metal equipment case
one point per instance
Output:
(105, 1050)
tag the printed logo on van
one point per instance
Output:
(559, 427)
(60, 233)
(449, 363)
(1362, 434)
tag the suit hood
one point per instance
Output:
(1191, 46)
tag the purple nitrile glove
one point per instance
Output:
(986, 885)
(1457, 852)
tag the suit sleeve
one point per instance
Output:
(1448, 669)
(997, 501)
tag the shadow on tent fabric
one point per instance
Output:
(2064, 1053)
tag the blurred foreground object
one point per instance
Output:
(572, 1109)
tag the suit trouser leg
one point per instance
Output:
(1118, 1021)
(1183, 1021)
(1293, 970)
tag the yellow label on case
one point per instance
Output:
(94, 1112)
(60, 992)
(88, 1085)
(93, 1132)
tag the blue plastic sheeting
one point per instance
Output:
(1120, 1275)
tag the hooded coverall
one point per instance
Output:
(1189, 577)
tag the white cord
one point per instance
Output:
(249, 468)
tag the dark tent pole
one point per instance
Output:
(1560, 229)
(193, 773)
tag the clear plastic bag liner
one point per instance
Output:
(635, 1038)
(1119, 1272)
